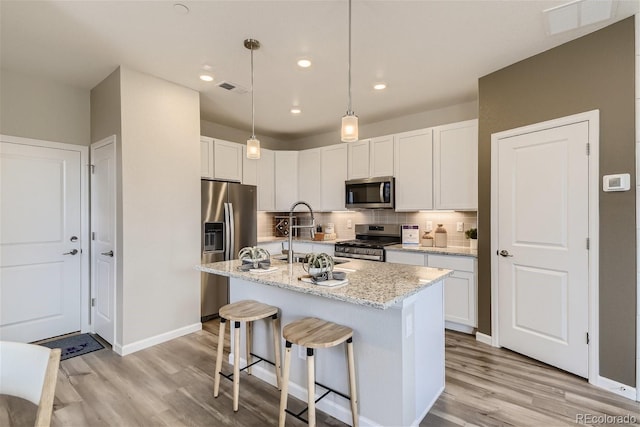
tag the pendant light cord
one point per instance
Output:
(349, 111)
(253, 107)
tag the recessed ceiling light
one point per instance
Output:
(379, 86)
(296, 110)
(180, 8)
(206, 78)
(304, 63)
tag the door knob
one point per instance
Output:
(72, 252)
(110, 253)
(504, 253)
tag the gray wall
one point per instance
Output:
(31, 107)
(215, 130)
(593, 72)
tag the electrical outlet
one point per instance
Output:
(429, 226)
(459, 226)
(302, 352)
(349, 224)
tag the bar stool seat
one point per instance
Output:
(313, 333)
(245, 311)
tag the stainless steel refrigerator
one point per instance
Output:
(228, 224)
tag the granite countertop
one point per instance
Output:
(452, 250)
(375, 284)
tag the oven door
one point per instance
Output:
(370, 193)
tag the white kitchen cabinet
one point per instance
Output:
(261, 173)
(206, 157)
(460, 290)
(327, 248)
(333, 165)
(381, 155)
(406, 257)
(455, 166)
(371, 158)
(227, 160)
(358, 166)
(414, 170)
(274, 248)
(286, 179)
(309, 182)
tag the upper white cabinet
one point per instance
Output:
(220, 159)
(381, 155)
(333, 164)
(309, 177)
(286, 179)
(455, 166)
(358, 165)
(414, 170)
(261, 173)
(371, 158)
(206, 157)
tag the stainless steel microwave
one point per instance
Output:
(370, 193)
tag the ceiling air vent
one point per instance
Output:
(232, 87)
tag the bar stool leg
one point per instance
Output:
(275, 323)
(284, 391)
(249, 342)
(352, 383)
(216, 382)
(236, 365)
(311, 387)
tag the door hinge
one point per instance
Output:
(93, 169)
(93, 235)
(588, 149)
(588, 243)
(587, 337)
(93, 302)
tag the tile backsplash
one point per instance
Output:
(266, 222)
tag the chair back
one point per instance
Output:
(30, 371)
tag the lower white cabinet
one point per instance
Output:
(460, 289)
(274, 248)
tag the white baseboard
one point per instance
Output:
(483, 338)
(123, 350)
(465, 329)
(333, 405)
(615, 387)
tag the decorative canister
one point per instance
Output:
(441, 237)
(427, 239)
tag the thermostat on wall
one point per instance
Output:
(617, 182)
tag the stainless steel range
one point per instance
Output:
(370, 242)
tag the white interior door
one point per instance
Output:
(543, 220)
(103, 231)
(40, 230)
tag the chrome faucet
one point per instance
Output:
(312, 227)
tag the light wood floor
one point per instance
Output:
(171, 385)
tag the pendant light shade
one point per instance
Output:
(253, 143)
(349, 128)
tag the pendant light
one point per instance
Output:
(349, 129)
(253, 143)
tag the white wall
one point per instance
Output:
(216, 130)
(160, 209)
(32, 107)
(638, 205)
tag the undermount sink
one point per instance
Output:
(298, 257)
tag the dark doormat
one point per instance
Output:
(75, 345)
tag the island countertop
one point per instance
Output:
(374, 284)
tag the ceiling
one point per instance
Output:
(429, 53)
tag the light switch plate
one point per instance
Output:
(459, 226)
(429, 226)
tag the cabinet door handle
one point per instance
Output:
(110, 253)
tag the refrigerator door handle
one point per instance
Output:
(227, 232)
(232, 227)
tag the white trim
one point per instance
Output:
(593, 118)
(85, 304)
(124, 350)
(459, 327)
(615, 387)
(484, 338)
(117, 342)
(637, 32)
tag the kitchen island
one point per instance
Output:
(396, 313)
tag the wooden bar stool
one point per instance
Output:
(245, 311)
(316, 333)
